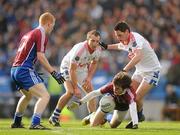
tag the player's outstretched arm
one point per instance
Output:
(75, 104)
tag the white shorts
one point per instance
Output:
(119, 115)
(151, 77)
(81, 74)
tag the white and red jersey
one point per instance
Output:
(149, 61)
(31, 43)
(80, 55)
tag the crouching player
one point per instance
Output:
(124, 98)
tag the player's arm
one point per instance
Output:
(73, 76)
(92, 69)
(137, 57)
(89, 96)
(74, 81)
(44, 62)
(110, 46)
(133, 112)
(113, 47)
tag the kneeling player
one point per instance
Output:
(124, 98)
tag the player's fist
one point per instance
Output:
(58, 77)
(103, 45)
(74, 105)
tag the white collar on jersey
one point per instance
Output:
(41, 27)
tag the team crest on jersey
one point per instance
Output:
(134, 44)
(77, 58)
(130, 49)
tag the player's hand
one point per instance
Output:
(103, 45)
(77, 93)
(74, 105)
(58, 77)
(123, 70)
(87, 84)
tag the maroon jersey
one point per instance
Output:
(122, 101)
(31, 43)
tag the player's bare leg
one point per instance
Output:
(142, 90)
(135, 84)
(98, 118)
(117, 118)
(63, 100)
(21, 107)
(40, 92)
(91, 105)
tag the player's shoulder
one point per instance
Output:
(79, 48)
(136, 35)
(107, 88)
(79, 45)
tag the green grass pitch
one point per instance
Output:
(75, 128)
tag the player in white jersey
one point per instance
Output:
(78, 68)
(143, 57)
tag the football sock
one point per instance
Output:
(108, 117)
(18, 118)
(140, 113)
(36, 118)
(56, 113)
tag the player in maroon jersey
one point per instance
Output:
(32, 47)
(124, 98)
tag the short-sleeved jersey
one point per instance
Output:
(149, 61)
(31, 43)
(80, 55)
(121, 100)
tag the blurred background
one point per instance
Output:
(156, 20)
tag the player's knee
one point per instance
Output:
(93, 124)
(69, 94)
(46, 96)
(138, 100)
(28, 97)
(115, 124)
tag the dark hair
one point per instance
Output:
(93, 32)
(122, 26)
(122, 79)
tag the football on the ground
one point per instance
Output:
(107, 103)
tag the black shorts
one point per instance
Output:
(121, 106)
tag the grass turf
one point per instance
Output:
(75, 128)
